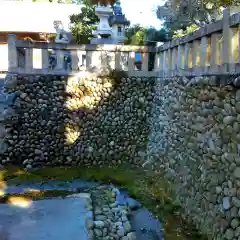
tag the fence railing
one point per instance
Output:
(59, 59)
(211, 50)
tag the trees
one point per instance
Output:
(84, 23)
(138, 35)
(180, 14)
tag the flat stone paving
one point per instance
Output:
(51, 219)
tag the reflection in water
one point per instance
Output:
(22, 202)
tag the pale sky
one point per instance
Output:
(142, 11)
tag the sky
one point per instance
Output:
(142, 11)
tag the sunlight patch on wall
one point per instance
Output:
(71, 134)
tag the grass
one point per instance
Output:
(152, 190)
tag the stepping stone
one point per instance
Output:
(51, 219)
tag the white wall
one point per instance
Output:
(3, 57)
(34, 16)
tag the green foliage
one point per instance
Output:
(180, 14)
(83, 23)
(181, 32)
(138, 35)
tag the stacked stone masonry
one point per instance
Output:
(188, 131)
(76, 120)
(195, 140)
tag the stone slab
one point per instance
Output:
(52, 219)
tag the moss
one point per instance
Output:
(151, 189)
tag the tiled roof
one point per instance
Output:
(118, 19)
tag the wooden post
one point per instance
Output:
(145, 57)
(29, 60)
(12, 53)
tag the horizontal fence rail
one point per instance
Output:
(211, 50)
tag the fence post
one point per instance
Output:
(89, 60)
(214, 51)
(173, 62)
(28, 60)
(118, 61)
(145, 57)
(186, 52)
(45, 60)
(179, 59)
(131, 61)
(75, 60)
(203, 54)
(157, 62)
(238, 43)
(12, 53)
(60, 60)
(227, 41)
(195, 47)
(169, 60)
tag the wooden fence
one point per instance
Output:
(211, 50)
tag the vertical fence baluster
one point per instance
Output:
(145, 57)
(29, 60)
(131, 61)
(12, 53)
(45, 60)
(75, 60)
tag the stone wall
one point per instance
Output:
(195, 141)
(191, 133)
(75, 120)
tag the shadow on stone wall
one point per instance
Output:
(76, 120)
